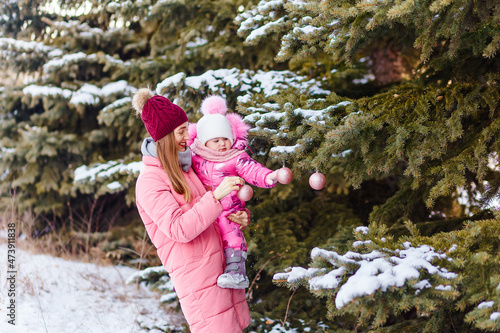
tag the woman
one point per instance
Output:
(180, 218)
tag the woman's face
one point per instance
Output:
(181, 136)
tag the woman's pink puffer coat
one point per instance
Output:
(189, 245)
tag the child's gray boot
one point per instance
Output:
(234, 276)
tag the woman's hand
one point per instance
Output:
(228, 185)
(240, 217)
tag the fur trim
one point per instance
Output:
(238, 126)
(214, 105)
(140, 99)
(192, 133)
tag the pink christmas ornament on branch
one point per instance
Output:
(245, 193)
(317, 181)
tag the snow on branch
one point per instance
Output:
(156, 278)
(214, 78)
(108, 170)
(173, 80)
(292, 19)
(67, 27)
(24, 46)
(355, 275)
(68, 58)
(264, 30)
(35, 90)
(57, 63)
(269, 83)
(259, 21)
(87, 94)
(148, 274)
(285, 149)
(117, 103)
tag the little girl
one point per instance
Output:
(218, 142)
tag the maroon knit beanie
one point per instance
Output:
(160, 116)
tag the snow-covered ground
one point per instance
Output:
(57, 295)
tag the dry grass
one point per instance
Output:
(68, 242)
(74, 239)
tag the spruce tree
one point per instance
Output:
(394, 101)
(423, 141)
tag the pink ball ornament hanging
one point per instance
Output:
(317, 181)
(284, 175)
(245, 193)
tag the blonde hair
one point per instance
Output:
(166, 149)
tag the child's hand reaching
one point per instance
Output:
(272, 178)
(240, 217)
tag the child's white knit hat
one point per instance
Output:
(214, 123)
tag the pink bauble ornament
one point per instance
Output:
(284, 175)
(245, 193)
(317, 181)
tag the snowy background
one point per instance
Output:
(58, 295)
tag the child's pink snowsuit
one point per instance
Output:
(212, 167)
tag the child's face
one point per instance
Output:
(219, 144)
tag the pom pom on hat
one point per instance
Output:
(160, 115)
(214, 105)
(140, 99)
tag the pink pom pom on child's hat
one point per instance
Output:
(214, 123)
(214, 105)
